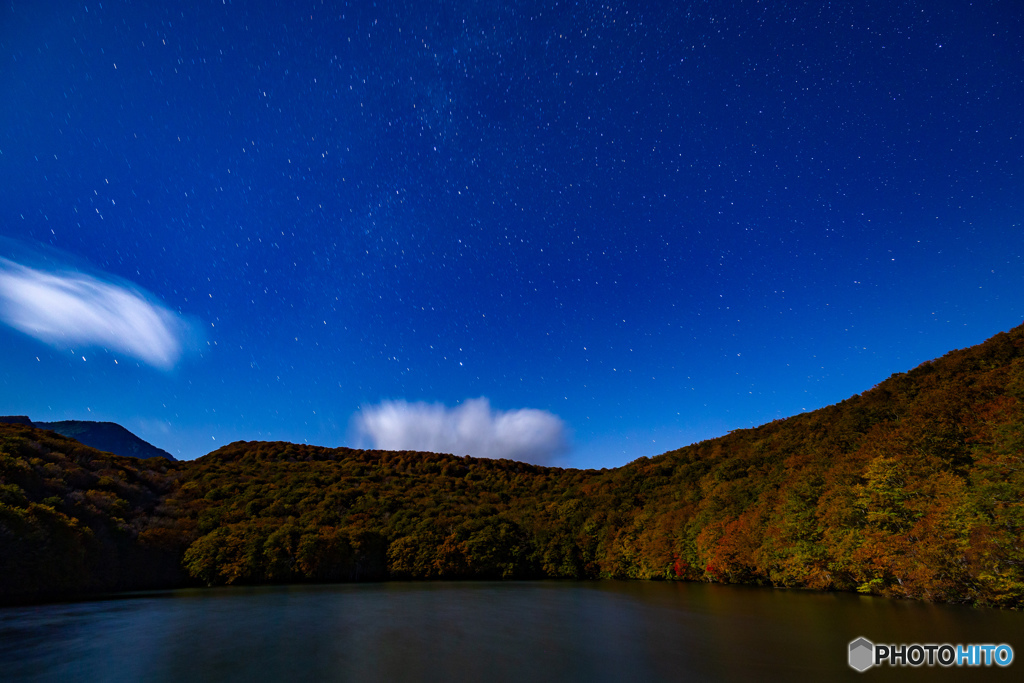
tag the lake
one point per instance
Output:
(480, 631)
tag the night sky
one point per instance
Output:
(566, 232)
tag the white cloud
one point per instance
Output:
(473, 428)
(71, 308)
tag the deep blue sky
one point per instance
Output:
(658, 222)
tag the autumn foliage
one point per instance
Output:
(913, 489)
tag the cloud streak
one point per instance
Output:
(473, 428)
(65, 308)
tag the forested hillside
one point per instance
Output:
(912, 489)
(74, 520)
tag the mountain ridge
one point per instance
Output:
(105, 436)
(909, 489)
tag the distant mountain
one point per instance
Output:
(105, 436)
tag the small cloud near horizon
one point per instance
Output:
(473, 428)
(68, 308)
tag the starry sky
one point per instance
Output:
(577, 232)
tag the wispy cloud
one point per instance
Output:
(66, 308)
(473, 428)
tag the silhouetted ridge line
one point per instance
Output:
(106, 436)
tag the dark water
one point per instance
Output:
(543, 631)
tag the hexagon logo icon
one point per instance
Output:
(862, 654)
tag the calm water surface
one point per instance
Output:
(537, 631)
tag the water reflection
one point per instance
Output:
(542, 631)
